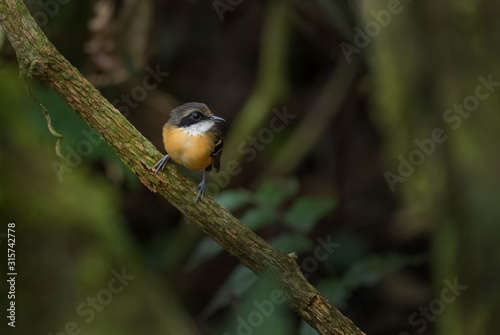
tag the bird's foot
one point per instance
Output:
(161, 164)
(201, 186)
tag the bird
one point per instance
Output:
(192, 139)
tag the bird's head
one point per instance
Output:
(194, 117)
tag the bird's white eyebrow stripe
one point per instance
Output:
(199, 128)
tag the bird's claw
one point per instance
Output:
(161, 164)
(201, 186)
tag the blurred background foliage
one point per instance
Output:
(359, 103)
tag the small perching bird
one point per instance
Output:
(192, 139)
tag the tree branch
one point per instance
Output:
(39, 58)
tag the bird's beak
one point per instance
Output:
(217, 119)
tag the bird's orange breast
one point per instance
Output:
(192, 151)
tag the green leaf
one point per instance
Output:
(277, 317)
(369, 270)
(206, 250)
(292, 243)
(306, 329)
(274, 192)
(335, 291)
(307, 211)
(257, 218)
(234, 199)
(240, 280)
(353, 249)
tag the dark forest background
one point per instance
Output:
(366, 131)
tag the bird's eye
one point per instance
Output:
(196, 116)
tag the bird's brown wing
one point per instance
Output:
(218, 145)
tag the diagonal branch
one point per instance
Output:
(39, 58)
